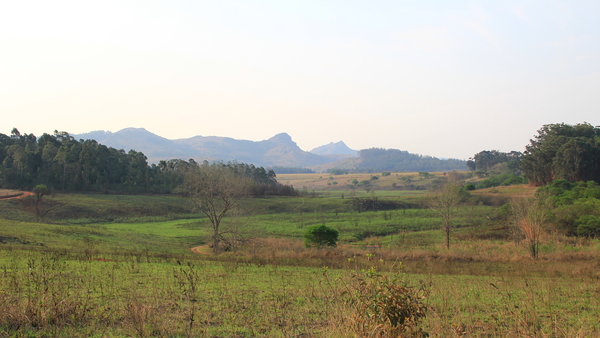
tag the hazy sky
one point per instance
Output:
(440, 78)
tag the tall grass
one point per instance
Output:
(58, 294)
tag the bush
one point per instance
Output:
(588, 225)
(385, 306)
(320, 235)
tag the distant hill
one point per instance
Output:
(338, 148)
(278, 151)
(155, 147)
(378, 160)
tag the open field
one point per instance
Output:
(121, 266)
(324, 181)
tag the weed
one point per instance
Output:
(383, 305)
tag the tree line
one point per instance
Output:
(62, 163)
(559, 152)
(379, 160)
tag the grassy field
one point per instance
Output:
(121, 266)
(383, 185)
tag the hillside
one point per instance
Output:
(277, 151)
(338, 148)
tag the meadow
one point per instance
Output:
(121, 266)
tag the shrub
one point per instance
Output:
(385, 306)
(588, 225)
(319, 236)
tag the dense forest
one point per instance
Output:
(378, 160)
(562, 151)
(62, 163)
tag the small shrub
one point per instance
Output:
(385, 306)
(320, 235)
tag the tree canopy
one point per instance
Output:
(379, 160)
(60, 162)
(486, 159)
(562, 151)
(320, 235)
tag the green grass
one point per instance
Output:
(120, 266)
(141, 295)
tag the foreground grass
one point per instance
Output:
(120, 266)
(62, 294)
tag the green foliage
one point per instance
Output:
(562, 151)
(573, 201)
(484, 160)
(588, 226)
(504, 179)
(424, 175)
(40, 191)
(291, 170)
(380, 160)
(320, 235)
(374, 204)
(338, 172)
(383, 305)
(60, 162)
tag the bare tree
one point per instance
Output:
(445, 203)
(530, 215)
(215, 190)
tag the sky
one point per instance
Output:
(440, 78)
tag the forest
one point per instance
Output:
(62, 163)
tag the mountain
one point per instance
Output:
(139, 139)
(338, 148)
(279, 150)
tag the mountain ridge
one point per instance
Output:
(278, 151)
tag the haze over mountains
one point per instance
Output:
(277, 151)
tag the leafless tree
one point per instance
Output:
(530, 216)
(445, 204)
(215, 191)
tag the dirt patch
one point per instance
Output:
(200, 250)
(20, 194)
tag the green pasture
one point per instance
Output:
(141, 295)
(121, 266)
(101, 217)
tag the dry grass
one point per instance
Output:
(255, 293)
(6, 193)
(563, 257)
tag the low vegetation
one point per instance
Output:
(139, 278)
(238, 254)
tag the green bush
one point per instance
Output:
(320, 235)
(588, 225)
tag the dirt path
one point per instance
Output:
(200, 250)
(20, 195)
